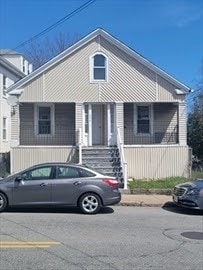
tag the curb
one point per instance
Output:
(141, 204)
(140, 191)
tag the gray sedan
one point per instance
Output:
(59, 184)
(189, 194)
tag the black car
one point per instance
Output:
(189, 194)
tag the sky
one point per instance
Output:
(169, 33)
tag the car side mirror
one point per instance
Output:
(18, 178)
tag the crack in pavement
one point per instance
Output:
(63, 244)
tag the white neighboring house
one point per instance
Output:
(13, 67)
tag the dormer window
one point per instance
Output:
(99, 67)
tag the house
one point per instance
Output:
(99, 94)
(13, 67)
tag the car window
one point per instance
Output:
(63, 172)
(67, 172)
(85, 173)
(38, 173)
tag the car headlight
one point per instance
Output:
(193, 192)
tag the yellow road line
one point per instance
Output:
(24, 246)
(28, 243)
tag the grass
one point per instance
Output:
(197, 174)
(166, 183)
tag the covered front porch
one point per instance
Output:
(93, 124)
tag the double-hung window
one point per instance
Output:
(4, 128)
(44, 120)
(143, 119)
(99, 67)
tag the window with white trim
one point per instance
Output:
(44, 119)
(4, 85)
(99, 67)
(4, 128)
(143, 119)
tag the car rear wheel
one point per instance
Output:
(3, 202)
(90, 203)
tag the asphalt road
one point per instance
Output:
(119, 238)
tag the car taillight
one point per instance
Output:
(111, 182)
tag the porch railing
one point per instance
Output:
(122, 157)
(80, 145)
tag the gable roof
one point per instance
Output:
(5, 63)
(113, 41)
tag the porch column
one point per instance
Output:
(182, 123)
(120, 119)
(78, 120)
(15, 132)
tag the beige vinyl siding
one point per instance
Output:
(70, 79)
(128, 79)
(166, 91)
(23, 157)
(157, 162)
(64, 133)
(33, 91)
(182, 124)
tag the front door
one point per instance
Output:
(99, 124)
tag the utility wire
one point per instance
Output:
(65, 18)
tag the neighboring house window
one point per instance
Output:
(99, 67)
(4, 85)
(44, 120)
(4, 128)
(23, 66)
(143, 119)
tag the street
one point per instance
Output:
(118, 238)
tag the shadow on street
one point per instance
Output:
(171, 207)
(55, 210)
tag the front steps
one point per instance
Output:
(104, 159)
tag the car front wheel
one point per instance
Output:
(90, 203)
(3, 202)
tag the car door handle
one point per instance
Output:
(77, 183)
(43, 185)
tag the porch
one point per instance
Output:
(59, 124)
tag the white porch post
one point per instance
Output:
(120, 119)
(90, 124)
(79, 127)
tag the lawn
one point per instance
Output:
(167, 183)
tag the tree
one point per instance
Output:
(40, 53)
(195, 123)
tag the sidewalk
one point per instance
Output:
(154, 200)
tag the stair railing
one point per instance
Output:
(80, 145)
(122, 157)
